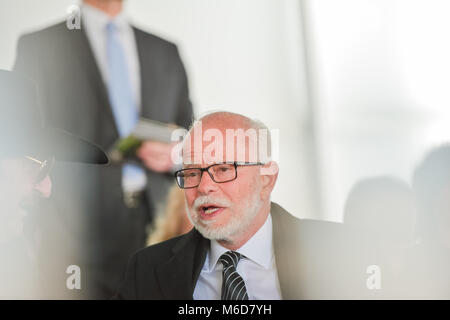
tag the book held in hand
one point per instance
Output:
(146, 129)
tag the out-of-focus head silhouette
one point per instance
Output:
(384, 205)
(431, 184)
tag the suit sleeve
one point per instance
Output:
(185, 114)
(26, 58)
(127, 287)
(29, 64)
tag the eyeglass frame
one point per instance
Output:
(44, 167)
(234, 163)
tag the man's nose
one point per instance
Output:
(44, 187)
(207, 184)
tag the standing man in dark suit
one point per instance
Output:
(243, 246)
(95, 82)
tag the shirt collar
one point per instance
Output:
(258, 248)
(96, 18)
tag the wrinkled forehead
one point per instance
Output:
(208, 143)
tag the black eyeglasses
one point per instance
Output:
(219, 173)
(39, 169)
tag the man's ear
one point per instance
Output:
(269, 176)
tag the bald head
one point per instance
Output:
(228, 119)
(226, 137)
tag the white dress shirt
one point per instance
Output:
(94, 23)
(257, 268)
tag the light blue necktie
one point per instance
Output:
(121, 98)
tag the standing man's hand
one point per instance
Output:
(156, 156)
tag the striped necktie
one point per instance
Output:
(233, 286)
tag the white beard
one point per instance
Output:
(237, 224)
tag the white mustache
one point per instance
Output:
(202, 200)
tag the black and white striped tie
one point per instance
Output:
(233, 286)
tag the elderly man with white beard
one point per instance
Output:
(242, 244)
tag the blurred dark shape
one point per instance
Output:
(22, 130)
(383, 205)
(33, 255)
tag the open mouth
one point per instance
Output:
(209, 210)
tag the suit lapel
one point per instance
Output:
(155, 77)
(87, 61)
(286, 247)
(178, 276)
(147, 73)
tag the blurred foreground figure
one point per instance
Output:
(96, 82)
(27, 153)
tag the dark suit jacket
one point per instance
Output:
(169, 270)
(74, 98)
(315, 260)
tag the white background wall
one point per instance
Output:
(380, 86)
